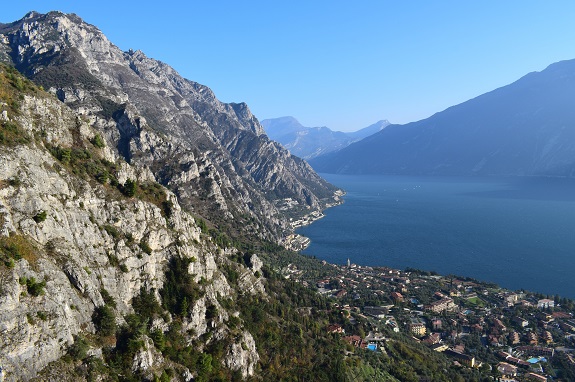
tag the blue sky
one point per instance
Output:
(334, 63)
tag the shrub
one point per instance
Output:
(211, 312)
(64, 155)
(79, 349)
(129, 188)
(146, 305)
(108, 299)
(179, 288)
(167, 207)
(112, 231)
(202, 224)
(144, 246)
(129, 238)
(103, 177)
(98, 141)
(14, 182)
(33, 287)
(113, 259)
(40, 216)
(159, 339)
(105, 320)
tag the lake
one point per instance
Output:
(516, 232)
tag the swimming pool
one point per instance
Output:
(536, 359)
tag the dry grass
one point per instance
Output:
(19, 247)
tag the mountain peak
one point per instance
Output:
(157, 119)
(309, 142)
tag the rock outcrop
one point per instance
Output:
(72, 244)
(86, 229)
(120, 188)
(214, 156)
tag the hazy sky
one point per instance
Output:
(341, 64)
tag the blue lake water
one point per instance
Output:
(516, 232)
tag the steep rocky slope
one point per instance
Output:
(76, 246)
(525, 128)
(214, 156)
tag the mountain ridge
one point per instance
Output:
(518, 129)
(310, 142)
(132, 205)
(153, 116)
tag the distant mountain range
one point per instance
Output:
(525, 128)
(310, 142)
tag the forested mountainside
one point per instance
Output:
(214, 156)
(522, 129)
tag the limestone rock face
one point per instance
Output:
(242, 356)
(214, 156)
(90, 240)
(147, 358)
(76, 240)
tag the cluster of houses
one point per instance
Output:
(295, 242)
(523, 331)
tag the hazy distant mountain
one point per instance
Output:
(370, 130)
(310, 142)
(525, 128)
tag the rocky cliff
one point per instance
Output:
(118, 188)
(214, 156)
(73, 246)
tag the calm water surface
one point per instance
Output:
(516, 232)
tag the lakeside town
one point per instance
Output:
(512, 335)
(294, 241)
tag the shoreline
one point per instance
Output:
(297, 242)
(488, 231)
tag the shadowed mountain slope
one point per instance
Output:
(525, 128)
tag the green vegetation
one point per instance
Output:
(40, 216)
(144, 246)
(202, 224)
(13, 87)
(108, 299)
(104, 319)
(33, 287)
(476, 301)
(129, 188)
(79, 349)
(98, 141)
(288, 324)
(112, 231)
(299, 337)
(85, 162)
(180, 290)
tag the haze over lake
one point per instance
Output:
(516, 232)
